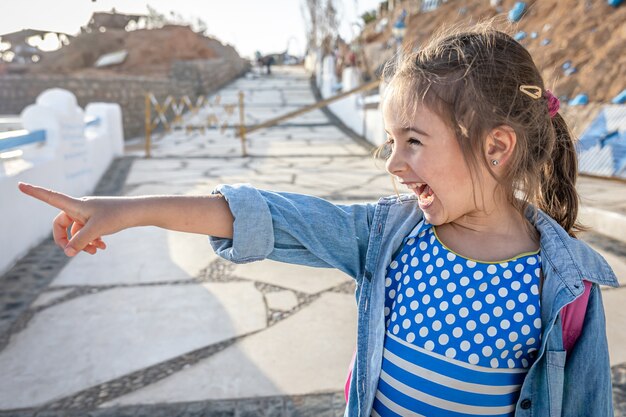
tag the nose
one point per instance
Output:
(396, 163)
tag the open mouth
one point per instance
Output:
(424, 194)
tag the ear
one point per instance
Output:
(499, 145)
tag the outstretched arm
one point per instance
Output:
(90, 218)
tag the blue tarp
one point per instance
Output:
(615, 3)
(579, 100)
(620, 98)
(602, 147)
(515, 14)
(519, 36)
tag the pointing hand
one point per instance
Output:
(88, 219)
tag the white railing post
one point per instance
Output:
(71, 160)
(328, 76)
(106, 138)
(35, 117)
(73, 146)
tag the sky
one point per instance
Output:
(249, 25)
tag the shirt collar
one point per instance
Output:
(570, 258)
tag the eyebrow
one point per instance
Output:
(411, 129)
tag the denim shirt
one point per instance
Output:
(361, 239)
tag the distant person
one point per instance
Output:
(259, 60)
(474, 296)
(268, 61)
(264, 61)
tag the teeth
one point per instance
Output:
(423, 191)
(426, 194)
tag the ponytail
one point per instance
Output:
(559, 198)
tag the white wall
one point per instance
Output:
(350, 109)
(72, 161)
(374, 127)
(360, 113)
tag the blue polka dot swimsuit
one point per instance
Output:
(461, 334)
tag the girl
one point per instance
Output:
(461, 283)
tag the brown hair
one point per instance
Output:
(472, 79)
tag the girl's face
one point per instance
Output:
(427, 158)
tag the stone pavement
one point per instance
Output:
(157, 325)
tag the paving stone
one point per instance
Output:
(281, 149)
(140, 255)
(164, 171)
(608, 195)
(309, 406)
(319, 404)
(281, 300)
(265, 407)
(613, 300)
(122, 412)
(308, 352)
(159, 189)
(617, 263)
(216, 408)
(325, 183)
(29, 413)
(95, 338)
(296, 277)
(49, 296)
(614, 251)
(619, 389)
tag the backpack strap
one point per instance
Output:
(346, 389)
(573, 318)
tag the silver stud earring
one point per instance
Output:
(494, 162)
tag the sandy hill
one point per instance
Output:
(150, 52)
(590, 35)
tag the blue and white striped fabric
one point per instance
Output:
(460, 333)
(426, 384)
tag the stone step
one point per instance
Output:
(330, 404)
(606, 222)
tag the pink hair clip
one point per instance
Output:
(533, 91)
(553, 103)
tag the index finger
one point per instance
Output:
(54, 198)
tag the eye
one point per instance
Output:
(414, 141)
(384, 151)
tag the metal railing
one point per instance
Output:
(273, 122)
(18, 138)
(178, 107)
(21, 137)
(365, 87)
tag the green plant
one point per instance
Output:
(369, 16)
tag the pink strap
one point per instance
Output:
(573, 318)
(346, 390)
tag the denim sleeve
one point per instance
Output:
(294, 228)
(587, 383)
